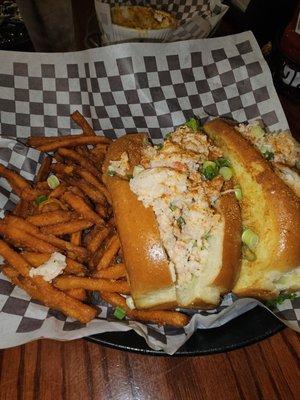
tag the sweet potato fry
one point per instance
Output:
(91, 179)
(79, 159)
(37, 259)
(84, 151)
(110, 252)
(43, 187)
(57, 192)
(14, 259)
(111, 222)
(173, 318)
(80, 252)
(52, 204)
(24, 208)
(66, 228)
(51, 218)
(24, 239)
(79, 294)
(76, 238)
(91, 191)
(74, 282)
(79, 205)
(72, 141)
(79, 119)
(96, 238)
(19, 185)
(61, 168)
(101, 210)
(35, 141)
(115, 271)
(52, 297)
(44, 169)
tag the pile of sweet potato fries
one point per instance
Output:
(68, 210)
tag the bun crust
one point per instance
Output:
(269, 207)
(145, 258)
(229, 208)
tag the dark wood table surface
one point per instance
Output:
(81, 370)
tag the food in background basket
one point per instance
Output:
(139, 17)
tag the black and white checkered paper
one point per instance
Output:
(197, 18)
(120, 89)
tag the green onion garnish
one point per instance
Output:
(110, 172)
(250, 239)
(207, 235)
(222, 162)
(238, 193)
(257, 131)
(119, 313)
(137, 170)
(180, 222)
(195, 243)
(210, 170)
(268, 155)
(172, 207)
(159, 146)
(53, 181)
(193, 123)
(168, 135)
(40, 199)
(226, 172)
(280, 299)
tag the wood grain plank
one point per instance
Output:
(9, 374)
(83, 370)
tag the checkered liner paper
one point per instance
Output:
(197, 18)
(120, 89)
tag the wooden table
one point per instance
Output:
(81, 370)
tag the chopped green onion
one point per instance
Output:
(137, 170)
(172, 207)
(53, 181)
(168, 135)
(207, 235)
(238, 193)
(193, 123)
(180, 222)
(40, 199)
(226, 172)
(210, 170)
(248, 254)
(111, 172)
(159, 146)
(119, 313)
(257, 131)
(250, 239)
(269, 155)
(195, 243)
(222, 162)
(280, 299)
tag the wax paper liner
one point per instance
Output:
(196, 18)
(121, 89)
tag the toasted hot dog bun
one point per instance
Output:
(223, 262)
(271, 209)
(145, 258)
